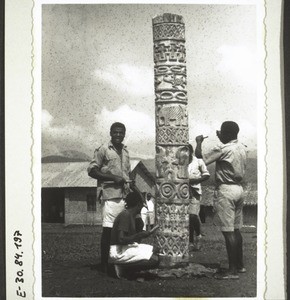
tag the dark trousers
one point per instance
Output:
(194, 226)
(202, 214)
(105, 245)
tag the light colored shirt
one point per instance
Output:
(150, 205)
(196, 169)
(107, 160)
(230, 161)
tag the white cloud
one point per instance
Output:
(140, 132)
(140, 128)
(136, 81)
(238, 61)
(57, 138)
(46, 119)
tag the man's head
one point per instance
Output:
(190, 152)
(229, 131)
(134, 199)
(117, 133)
(149, 196)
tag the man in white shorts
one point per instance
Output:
(111, 167)
(126, 251)
(230, 158)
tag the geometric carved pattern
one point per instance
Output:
(169, 31)
(165, 69)
(166, 52)
(171, 190)
(172, 135)
(173, 222)
(173, 246)
(167, 95)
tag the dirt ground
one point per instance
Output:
(71, 268)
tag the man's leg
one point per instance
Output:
(202, 214)
(191, 228)
(231, 246)
(105, 247)
(196, 224)
(240, 259)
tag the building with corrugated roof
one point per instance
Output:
(70, 196)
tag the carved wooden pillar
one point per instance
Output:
(172, 191)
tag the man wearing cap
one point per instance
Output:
(230, 159)
(111, 167)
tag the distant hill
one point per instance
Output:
(76, 156)
(66, 156)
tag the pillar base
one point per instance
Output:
(172, 261)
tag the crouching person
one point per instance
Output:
(126, 252)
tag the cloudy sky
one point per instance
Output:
(97, 68)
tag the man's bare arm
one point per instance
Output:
(198, 149)
(199, 180)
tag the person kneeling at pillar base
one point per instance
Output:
(126, 252)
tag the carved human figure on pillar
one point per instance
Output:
(172, 154)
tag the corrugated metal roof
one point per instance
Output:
(66, 174)
(134, 163)
(74, 174)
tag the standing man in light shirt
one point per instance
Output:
(197, 173)
(230, 158)
(111, 167)
(151, 210)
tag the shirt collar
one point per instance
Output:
(111, 146)
(229, 143)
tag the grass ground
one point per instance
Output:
(71, 257)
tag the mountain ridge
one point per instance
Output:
(76, 156)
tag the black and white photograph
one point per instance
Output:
(128, 87)
(149, 133)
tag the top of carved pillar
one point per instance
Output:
(168, 27)
(168, 18)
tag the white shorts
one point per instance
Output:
(194, 205)
(144, 219)
(150, 217)
(124, 254)
(228, 207)
(110, 210)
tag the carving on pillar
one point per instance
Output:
(166, 96)
(172, 115)
(171, 237)
(171, 163)
(172, 135)
(169, 51)
(167, 30)
(172, 153)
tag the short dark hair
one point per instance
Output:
(117, 124)
(190, 148)
(133, 199)
(230, 128)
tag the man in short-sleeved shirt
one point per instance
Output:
(109, 161)
(230, 159)
(111, 166)
(197, 173)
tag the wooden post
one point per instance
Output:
(172, 190)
